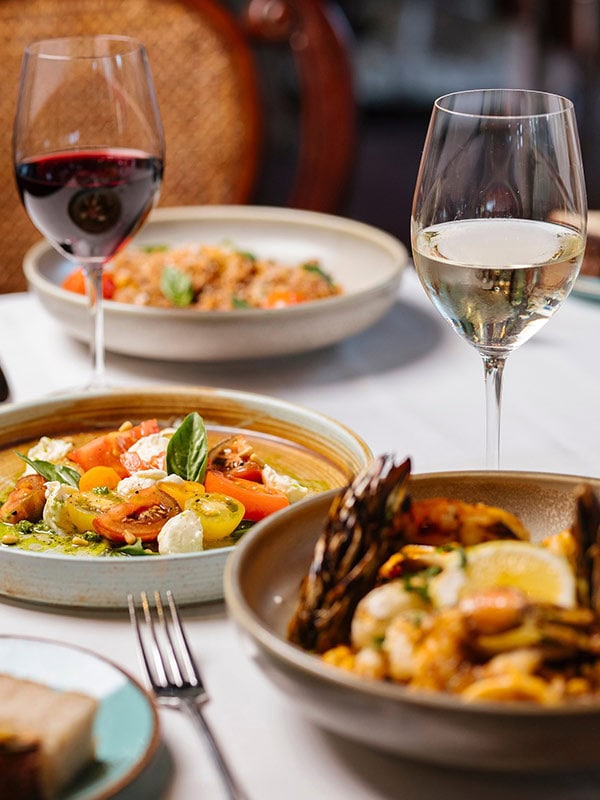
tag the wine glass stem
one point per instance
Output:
(93, 273)
(493, 368)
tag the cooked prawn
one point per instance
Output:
(439, 521)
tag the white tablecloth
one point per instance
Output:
(409, 385)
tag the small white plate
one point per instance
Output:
(126, 725)
(367, 262)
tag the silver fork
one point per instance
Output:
(172, 671)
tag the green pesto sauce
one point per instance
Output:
(40, 539)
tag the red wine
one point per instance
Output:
(89, 203)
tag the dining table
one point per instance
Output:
(407, 385)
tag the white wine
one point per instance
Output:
(497, 281)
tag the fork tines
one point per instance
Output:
(163, 645)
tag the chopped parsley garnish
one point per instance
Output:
(418, 582)
(450, 548)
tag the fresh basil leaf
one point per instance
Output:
(237, 302)
(53, 472)
(241, 529)
(312, 266)
(187, 451)
(176, 286)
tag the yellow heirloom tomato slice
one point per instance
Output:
(83, 507)
(220, 515)
(182, 491)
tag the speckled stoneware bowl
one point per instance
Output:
(261, 587)
(331, 453)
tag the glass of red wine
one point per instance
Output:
(88, 151)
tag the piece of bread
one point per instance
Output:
(45, 738)
(19, 766)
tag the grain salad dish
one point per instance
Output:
(208, 278)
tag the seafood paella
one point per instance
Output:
(442, 595)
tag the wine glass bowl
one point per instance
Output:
(88, 151)
(499, 221)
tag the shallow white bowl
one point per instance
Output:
(57, 579)
(262, 579)
(367, 262)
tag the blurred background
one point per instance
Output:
(405, 53)
(233, 92)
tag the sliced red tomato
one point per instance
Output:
(142, 516)
(105, 450)
(258, 500)
(249, 470)
(75, 282)
(133, 463)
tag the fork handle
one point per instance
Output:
(194, 710)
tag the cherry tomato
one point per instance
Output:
(98, 476)
(105, 450)
(220, 515)
(280, 298)
(142, 516)
(258, 500)
(75, 282)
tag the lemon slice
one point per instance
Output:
(544, 576)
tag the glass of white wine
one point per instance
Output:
(498, 222)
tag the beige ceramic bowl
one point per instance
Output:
(261, 585)
(367, 262)
(330, 452)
